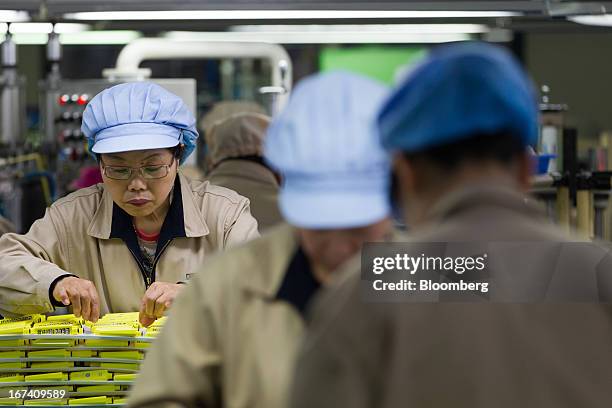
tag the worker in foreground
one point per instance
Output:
(232, 335)
(235, 161)
(459, 126)
(129, 243)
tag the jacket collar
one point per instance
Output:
(283, 271)
(183, 207)
(299, 284)
(173, 227)
(274, 251)
(195, 224)
(481, 195)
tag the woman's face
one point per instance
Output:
(139, 195)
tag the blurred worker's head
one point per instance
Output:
(329, 248)
(239, 136)
(139, 132)
(335, 172)
(219, 112)
(224, 109)
(465, 115)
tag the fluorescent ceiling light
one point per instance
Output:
(100, 37)
(46, 28)
(320, 37)
(67, 28)
(366, 28)
(277, 14)
(119, 37)
(30, 28)
(28, 38)
(10, 16)
(604, 20)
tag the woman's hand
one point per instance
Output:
(156, 300)
(81, 294)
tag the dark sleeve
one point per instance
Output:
(332, 369)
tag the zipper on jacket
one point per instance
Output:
(149, 278)
(157, 258)
(174, 227)
(145, 276)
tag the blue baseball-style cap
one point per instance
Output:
(460, 90)
(324, 143)
(138, 116)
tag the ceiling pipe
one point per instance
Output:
(132, 55)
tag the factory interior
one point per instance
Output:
(57, 55)
(60, 53)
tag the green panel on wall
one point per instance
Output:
(378, 62)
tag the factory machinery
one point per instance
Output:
(575, 198)
(36, 171)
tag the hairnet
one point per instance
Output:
(460, 90)
(138, 116)
(336, 174)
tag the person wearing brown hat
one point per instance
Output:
(235, 147)
(219, 112)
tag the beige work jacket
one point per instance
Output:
(255, 182)
(544, 353)
(228, 341)
(74, 237)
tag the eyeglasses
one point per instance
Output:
(148, 172)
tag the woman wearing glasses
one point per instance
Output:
(128, 243)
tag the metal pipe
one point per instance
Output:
(54, 48)
(563, 208)
(50, 89)
(584, 207)
(12, 115)
(9, 52)
(132, 55)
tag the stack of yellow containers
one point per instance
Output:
(66, 361)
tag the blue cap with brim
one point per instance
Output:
(460, 90)
(338, 201)
(133, 136)
(335, 172)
